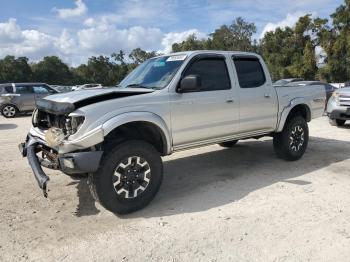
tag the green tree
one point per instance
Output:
(15, 70)
(335, 41)
(138, 55)
(191, 43)
(235, 37)
(52, 70)
(290, 52)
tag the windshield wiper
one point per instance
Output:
(138, 86)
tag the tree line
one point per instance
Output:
(288, 52)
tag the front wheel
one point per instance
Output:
(9, 111)
(291, 143)
(128, 178)
(337, 122)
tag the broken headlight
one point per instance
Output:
(73, 123)
(54, 137)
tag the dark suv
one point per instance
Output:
(21, 97)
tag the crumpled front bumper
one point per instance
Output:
(69, 163)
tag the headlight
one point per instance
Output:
(335, 96)
(54, 137)
(73, 123)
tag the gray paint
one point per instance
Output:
(192, 119)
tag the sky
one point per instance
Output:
(78, 29)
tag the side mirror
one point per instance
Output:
(190, 83)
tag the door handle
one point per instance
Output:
(267, 95)
(229, 101)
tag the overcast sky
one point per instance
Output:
(78, 29)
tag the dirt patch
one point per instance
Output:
(239, 204)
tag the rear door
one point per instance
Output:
(24, 100)
(258, 98)
(210, 112)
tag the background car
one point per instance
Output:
(338, 108)
(283, 82)
(62, 89)
(86, 86)
(20, 97)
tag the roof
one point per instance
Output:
(195, 52)
(23, 84)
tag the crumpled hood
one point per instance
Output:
(66, 103)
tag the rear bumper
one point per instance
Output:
(70, 163)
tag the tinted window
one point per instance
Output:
(40, 90)
(9, 89)
(24, 90)
(250, 72)
(6, 89)
(213, 73)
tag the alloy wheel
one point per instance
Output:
(9, 111)
(131, 177)
(297, 138)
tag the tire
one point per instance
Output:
(228, 144)
(291, 143)
(337, 122)
(9, 111)
(116, 184)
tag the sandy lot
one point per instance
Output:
(239, 204)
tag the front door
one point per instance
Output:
(210, 112)
(24, 98)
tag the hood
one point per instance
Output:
(66, 103)
(343, 91)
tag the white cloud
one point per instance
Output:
(177, 37)
(138, 12)
(79, 10)
(32, 43)
(10, 32)
(290, 21)
(107, 39)
(14, 41)
(76, 46)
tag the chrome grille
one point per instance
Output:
(344, 100)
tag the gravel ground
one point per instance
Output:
(239, 204)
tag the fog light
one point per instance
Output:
(68, 162)
(54, 137)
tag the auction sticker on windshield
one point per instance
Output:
(176, 58)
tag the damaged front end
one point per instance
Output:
(56, 125)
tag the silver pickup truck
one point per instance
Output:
(168, 103)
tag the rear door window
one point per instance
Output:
(40, 89)
(24, 90)
(250, 72)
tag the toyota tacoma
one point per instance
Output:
(168, 103)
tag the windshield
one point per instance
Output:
(155, 73)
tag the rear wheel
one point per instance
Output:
(128, 178)
(9, 111)
(291, 143)
(337, 122)
(228, 144)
